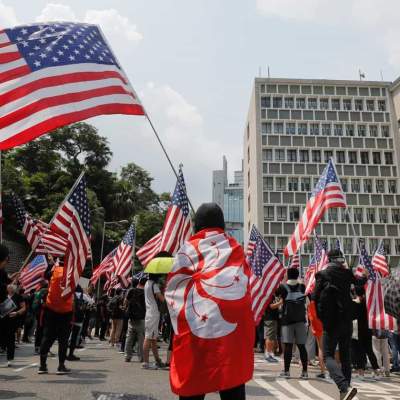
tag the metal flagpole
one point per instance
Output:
(135, 219)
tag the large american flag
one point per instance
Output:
(267, 273)
(379, 261)
(72, 221)
(38, 234)
(53, 74)
(107, 265)
(377, 317)
(32, 274)
(321, 262)
(327, 194)
(295, 261)
(177, 226)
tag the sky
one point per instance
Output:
(193, 62)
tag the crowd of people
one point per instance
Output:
(328, 328)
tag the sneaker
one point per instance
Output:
(284, 374)
(9, 364)
(127, 359)
(161, 365)
(395, 369)
(149, 366)
(350, 394)
(63, 370)
(321, 376)
(304, 375)
(43, 370)
(387, 374)
(72, 357)
(271, 359)
(121, 352)
(51, 354)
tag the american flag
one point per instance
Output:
(72, 221)
(321, 262)
(38, 234)
(377, 317)
(105, 266)
(327, 194)
(295, 262)
(32, 274)
(177, 226)
(379, 261)
(53, 74)
(267, 273)
(338, 246)
(123, 258)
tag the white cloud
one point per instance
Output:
(379, 18)
(8, 17)
(56, 12)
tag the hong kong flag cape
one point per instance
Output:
(209, 302)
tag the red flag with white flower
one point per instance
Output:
(209, 301)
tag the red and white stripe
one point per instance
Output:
(32, 279)
(123, 262)
(107, 265)
(380, 264)
(147, 252)
(330, 197)
(295, 262)
(313, 271)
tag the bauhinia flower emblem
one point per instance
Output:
(199, 280)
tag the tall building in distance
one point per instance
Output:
(293, 127)
(229, 196)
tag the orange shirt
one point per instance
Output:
(55, 301)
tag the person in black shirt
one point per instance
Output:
(271, 318)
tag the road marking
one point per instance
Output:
(83, 349)
(315, 391)
(271, 389)
(26, 367)
(295, 392)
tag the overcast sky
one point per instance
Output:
(192, 63)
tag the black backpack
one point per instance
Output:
(136, 305)
(294, 308)
(330, 307)
(79, 308)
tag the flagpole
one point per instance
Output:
(135, 220)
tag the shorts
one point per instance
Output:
(271, 330)
(151, 327)
(295, 333)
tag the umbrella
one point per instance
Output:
(160, 265)
(391, 287)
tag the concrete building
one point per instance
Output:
(293, 127)
(229, 196)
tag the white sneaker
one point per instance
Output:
(149, 366)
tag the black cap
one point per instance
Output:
(335, 255)
(209, 215)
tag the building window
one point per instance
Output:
(293, 184)
(309, 247)
(326, 129)
(388, 157)
(338, 130)
(267, 155)
(395, 215)
(305, 184)
(316, 156)
(358, 215)
(304, 156)
(373, 131)
(381, 105)
(314, 129)
(328, 154)
(312, 103)
(281, 211)
(347, 104)
(349, 130)
(268, 213)
(376, 157)
(352, 157)
(302, 129)
(290, 129)
(301, 102)
(280, 184)
(392, 186)
(333, 215)
(380, 186)
(386, 246)
(266, 128)
(383, 215)
(361, 130)
(385, 130)
(277, 102)
(367, 186)
(292, 155)
(370, 105)
(355, 185)
(278, 127)
(279, 155)
(289, 102)
(348, 245)
(335, 104)
(324, 104)
(294, 213)
(265, 102)
(268, 183)
(358, 104)
(340, 157)
(281, 243)
(364, 157)
(397, 245)
(344, 183)
(371, 215)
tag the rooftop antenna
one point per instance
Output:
(269, 76)
(381, 75)
(361, 74)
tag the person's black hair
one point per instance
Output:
(154, 277)
(163, 254)
(293, 273)
(209, 215)
(118, 291)
(142, 281)
(334, 254)
(4, 252)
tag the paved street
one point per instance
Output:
(102, 375)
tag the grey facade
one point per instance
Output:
(293, 127)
